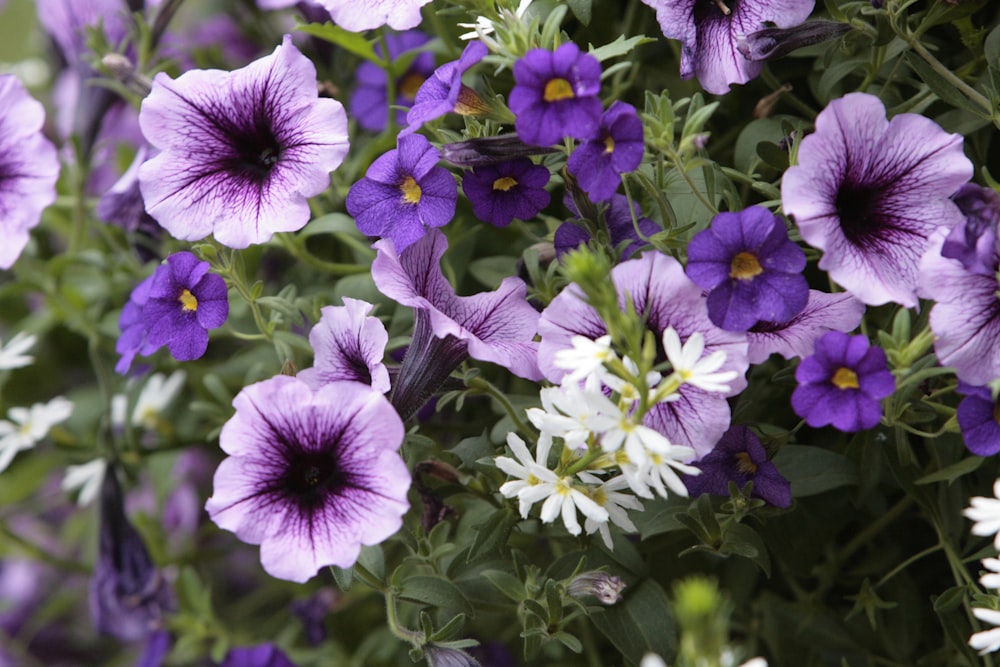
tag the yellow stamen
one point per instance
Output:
(188, 301)
(558, 89)
(410, 84)
(609, 145)
(845, 378)
(504, 184)
(723, 7)
(745, 266)
(744, 464)
(411, 191)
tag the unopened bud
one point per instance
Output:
(601, 585)
(772, 43)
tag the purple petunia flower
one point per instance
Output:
(751, 269)
(263, 655)
(349, 345)
(311, 475)
(664, 297)
(618, 220)
(973, 240)
(444, 91)
(122, 206)
(710, 31)
(599, 162)
(868, 192)
(29, 168)
(739, 457)
(497, 326)
(361, 15)
(404, 193)
(134, 338)
(797, 337)
(242, 151)
(979, 419)
(843, 383)
(370, 102)
(501, 192)
(555, 95)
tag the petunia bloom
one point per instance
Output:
(978, 417)
(361, 15)
(973, 241)
(797, 337)
(501, 192)
(750, 267)
(369, 104)
(555, 95)
(710, 30)
(740, 457)
(311, 475)
(843, 383)
(349, 345)
(443, 92)
(404, 193)
(618, 147)
(240, 152)
(868, 192)
(29, 168)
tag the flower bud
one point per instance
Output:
(601, 585)
(772, 43)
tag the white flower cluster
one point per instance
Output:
(597, 413)
(986, 514)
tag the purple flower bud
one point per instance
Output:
(771, 43)
(601, 585)
(489, 150)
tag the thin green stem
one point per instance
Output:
(975, 96)
(485, 386)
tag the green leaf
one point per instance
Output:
(772, 155)
(581, 10)
(953, 472)
(343, 576)
(490, 271)
(332, 223)
(950, 600)
(436, 592)
(492, 534)
(742, 540)
(940, 86)
(506, 583)
(569, 641)
(813, 470)
(619, 47)
(350, 41)
(641, 623)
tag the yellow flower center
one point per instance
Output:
(609, 144)
(188, 301)
(411, 191)
(744, 464)
(410, 84)
(504, 184)
(558, 89)
(845, 378)
(745, 266)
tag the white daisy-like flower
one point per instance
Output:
(991, 579)
(690, 368)
(986, 641)
(27, 426)
(12, 354)
(986, 513)
(608, 495)
(86, 477)
(155, 397)
(483, 26)
(573, 414)
(564, 499)
(635, 438)
(627, 392)
(657, 471)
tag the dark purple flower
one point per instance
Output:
(134, 338)
(797, 337)
(404, 194)
(709, 31)
(979, 419)
(739, 457)
(128, 596)
(868, 192)
(348, 345)
(370, 102)
(481, 151)
(620, 228)
(772, 43)
(599, 162)
(444, 91)
(241, 152)
(973, 240)
(555, 95)
(263, 655)
(842, 383)
(750, 267)
(507, 190)
(311, 475)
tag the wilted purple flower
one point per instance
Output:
(797, 337)
(601, 585)
(740, 458)
(772, 43)
(750, 267)
(263, 655)
(311, 475)
(507, 190)
(973, 240)
(843, 383)
(370, 102)
(979, 419)
(555, 95)
(480, 151)
(348, 345)
(497, 326)
(29, 168)
(242, 151)
(618, 147)
(127, 594)
(709, 31)
(404, 194)
(360, 16)
(618, 219)
(868, 192)
(444, 92)
(664, 297)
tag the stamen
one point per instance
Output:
(189, 302)
(745, 266)
(845, 378)
(744, 464)
(558, 89)
(411, 191)
(609, 144)
(722, 7)
(504, 184)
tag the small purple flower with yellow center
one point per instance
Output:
(555, 95)
(751, 269)
(979, 419)
(843, 383)
(739, 458)
(599, 162)
(501, 192)
(370, 102)
(404, 194)
(444, 91)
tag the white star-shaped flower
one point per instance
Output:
(690, 368)
(986, 641)
(12, 354)
(29, 425)
(986, 513)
